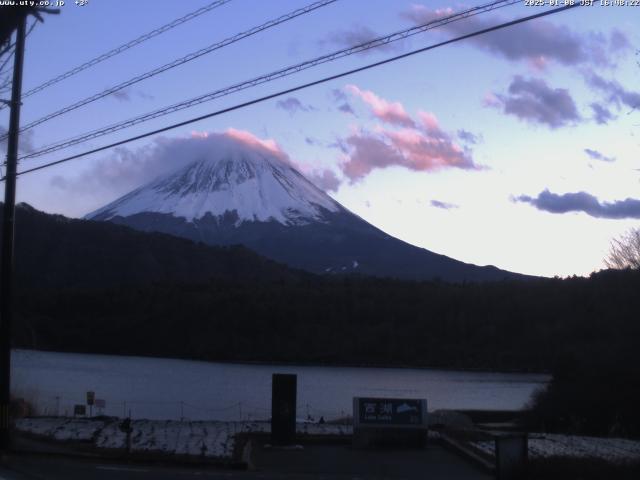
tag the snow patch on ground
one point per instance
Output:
(614, 450)
(60, 428)
(211, 439)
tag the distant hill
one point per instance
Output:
(53, 251)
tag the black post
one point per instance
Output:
(8, 223)
(283, 409)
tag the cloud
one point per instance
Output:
(536, 42)
(144, 95)
(326, 180)
(293, 105)
(341, 98)
(583, 202)
(126, 169)
(389, 112)
(122, 96)
(615, 93)
(443, 205)
(429, 152)
(411, 149)
(601, 114)
(535, 102)
(357, 35)
(368, 153)
(596, 155)
(469, 137)
(125, 95)
(346, 108)
(417, 144)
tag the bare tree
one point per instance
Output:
(625, 251)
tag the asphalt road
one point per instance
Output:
(313, 463)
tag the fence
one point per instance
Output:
(58, 404)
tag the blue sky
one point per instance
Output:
(517, 149)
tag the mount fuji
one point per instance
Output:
(245, 191)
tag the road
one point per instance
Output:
(312, 463)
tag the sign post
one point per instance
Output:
(283, 409)
(91, 397)
(389, 421)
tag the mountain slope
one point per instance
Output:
(53, 251)
(252, 196)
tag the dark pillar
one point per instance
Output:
(6, 274)
(283, 409)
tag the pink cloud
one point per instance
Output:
(389, 112)
(250, 140)
(424, 152)
(413, 149)
(368, 152)
(420, 144)
(429, 121)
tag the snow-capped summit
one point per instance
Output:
(234, 188)
(256, 184)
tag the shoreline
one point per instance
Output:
(305, 364)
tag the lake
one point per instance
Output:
(159, 388)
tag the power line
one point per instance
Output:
(303, 86)
(180, 61)
(402, 34)
(126, 46)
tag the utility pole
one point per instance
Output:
(8, 223)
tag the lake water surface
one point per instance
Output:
(157, 388)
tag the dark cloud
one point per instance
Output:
(341, 98)
(122, 96)
(469, 137)
(293, 105)
(534, 101)
(619, 41)
(614, 92)
(339, 95)
(583, 202)
(537, 42)
(596, 155)
(357, 35)
(443, 205)
(601, 114)
(346, 108)
(126, 95)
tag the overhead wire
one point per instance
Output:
(365, 46)
(182, 60)
(304, 86)
(126, 46)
